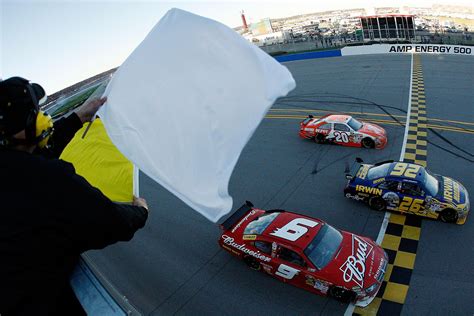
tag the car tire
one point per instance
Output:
(448, 215)
(368, 143)
(252, 263)
(377, 203)
(319, 138)
(341, 294)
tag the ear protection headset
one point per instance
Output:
(39, 125)
(21, 107)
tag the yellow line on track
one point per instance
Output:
(449, 121)
(326, 111)
(383, 122)
(368, 114)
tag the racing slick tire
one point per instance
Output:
(368, 143)
(377, 203)
(448, 215)
(341, 294)
(319, 138)
(252, 263)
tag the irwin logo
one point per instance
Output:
(451, 190)
(364, 189)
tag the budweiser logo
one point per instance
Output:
(256, 254)
(354, 267)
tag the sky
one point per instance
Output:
(59, 43)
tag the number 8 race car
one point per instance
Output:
(343, 130)
(408, 188)
(306, 252)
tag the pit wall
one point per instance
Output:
(383, 49)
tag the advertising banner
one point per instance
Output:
(407, 48)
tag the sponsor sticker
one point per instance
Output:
(378, 180)
(319, 285)
(451, 190)
(230, 241)
(354, 267)
(354, 197)
(249, 237)
(365, 189)
(267, 268)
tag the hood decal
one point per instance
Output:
(451, 191)
(369, 128)
(354, 267)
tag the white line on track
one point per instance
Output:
(407, 122)
(350, 308)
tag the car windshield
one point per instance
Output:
(431, 184)
(354, 124)
(257, 226)
(324, 246)
(378, 171)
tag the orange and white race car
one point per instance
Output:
(343, 130)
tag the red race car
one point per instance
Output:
(344, 130)
(306, 252)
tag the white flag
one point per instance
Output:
(186, 101)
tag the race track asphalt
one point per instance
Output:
(174, 266)
(443, 279)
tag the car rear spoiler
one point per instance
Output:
(238, 214)
(324, 116)
(310, 116)
(355, 167)
(383, 162)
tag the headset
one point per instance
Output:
(38, 125)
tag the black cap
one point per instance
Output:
(19, 100)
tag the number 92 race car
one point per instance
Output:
(343, 130)
(408, 188)
(306, 252)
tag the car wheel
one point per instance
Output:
(368, 143)
(448, 215)
(341, 294)
(377, 203)
(252, 263)
(319, 138)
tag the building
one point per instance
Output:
(388, 27)
(262, 27)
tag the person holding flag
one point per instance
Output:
(49, 214)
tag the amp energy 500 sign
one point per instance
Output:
(407, 48)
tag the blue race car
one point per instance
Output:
(408, 188)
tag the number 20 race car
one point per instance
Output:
(343, 130)
(306, 252)
(408, 188)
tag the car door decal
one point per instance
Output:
(286, 272)
(411, 205)
(341, 137)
